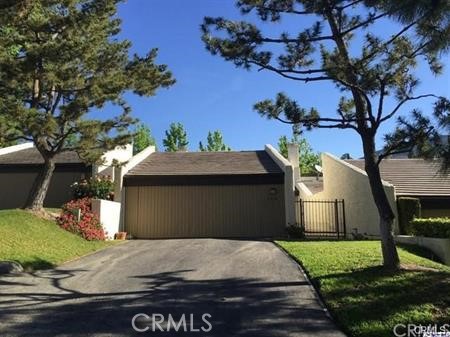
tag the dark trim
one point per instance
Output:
(435, 202)
(222, 179)
(30, 168)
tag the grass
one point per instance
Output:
(37, 243)
(364, 299)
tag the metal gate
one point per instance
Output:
(322, 217)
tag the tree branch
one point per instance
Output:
(282, 73)
(381, 101)
(311, 39)
(361, 24)
(403, 101)
(340, 123)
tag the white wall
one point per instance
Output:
(289, 183)
(440, 247)
(15, 148)
(345, 181)
(121, 154)
(108, 213)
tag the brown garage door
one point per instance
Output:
(204, 211)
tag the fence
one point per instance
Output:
(322, 217)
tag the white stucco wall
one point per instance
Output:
(120, 154)
(109, 214)
(345, 181)
(440, 247)
(289, 183)
(14, 148)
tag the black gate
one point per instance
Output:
(322, 217)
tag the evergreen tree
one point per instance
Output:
(59, 61)
(142, 138)
(176, 138)
(339, 46)
(214, 143)
(307, 157)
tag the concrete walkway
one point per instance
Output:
(244, 288)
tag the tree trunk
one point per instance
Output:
(39, 190)
(389, 250)
(390, 255)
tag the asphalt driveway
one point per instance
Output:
(245, 288)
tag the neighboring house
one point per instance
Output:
(20, 164)
(347, 180)
(209, 194)
(417, 178)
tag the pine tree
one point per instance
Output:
(176, 138)
(214, 143)
(339, 46)
(142, 138)
(58, 62)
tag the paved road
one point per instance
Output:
(250, 288)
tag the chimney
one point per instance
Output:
(293, 157)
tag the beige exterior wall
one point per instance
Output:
(344, 181)
(16, 186)
(204, 211)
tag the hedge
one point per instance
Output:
(432, 227)
(408, 209)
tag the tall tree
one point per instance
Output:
(366, 69)
(142, 138)
(307, 157)
(176, 138)
(59, 60)
(214, 143)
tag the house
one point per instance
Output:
(208, 194)
(347, 180)
(417, 178)
(20, 164)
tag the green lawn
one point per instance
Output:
(366, 300)
(36, 243)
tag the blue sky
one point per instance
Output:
(211, 93)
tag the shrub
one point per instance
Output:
(296, 231)
(88, 226)
(408, 209)
(432, 227)
(99, 187)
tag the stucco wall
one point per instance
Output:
(440, 247)
(120, 154)
(344, 181)
(108, 213)
(16, 186)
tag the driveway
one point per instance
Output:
(245, 288)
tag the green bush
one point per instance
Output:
(408, 209)
(99, 187)
(296, 231)
(431, 227)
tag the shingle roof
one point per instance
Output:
(206, 163)
(31, 156)
(414, 177)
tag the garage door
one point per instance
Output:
(204, 211)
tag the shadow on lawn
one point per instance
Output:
(375, 295)
(36, 264)
(238, 306)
